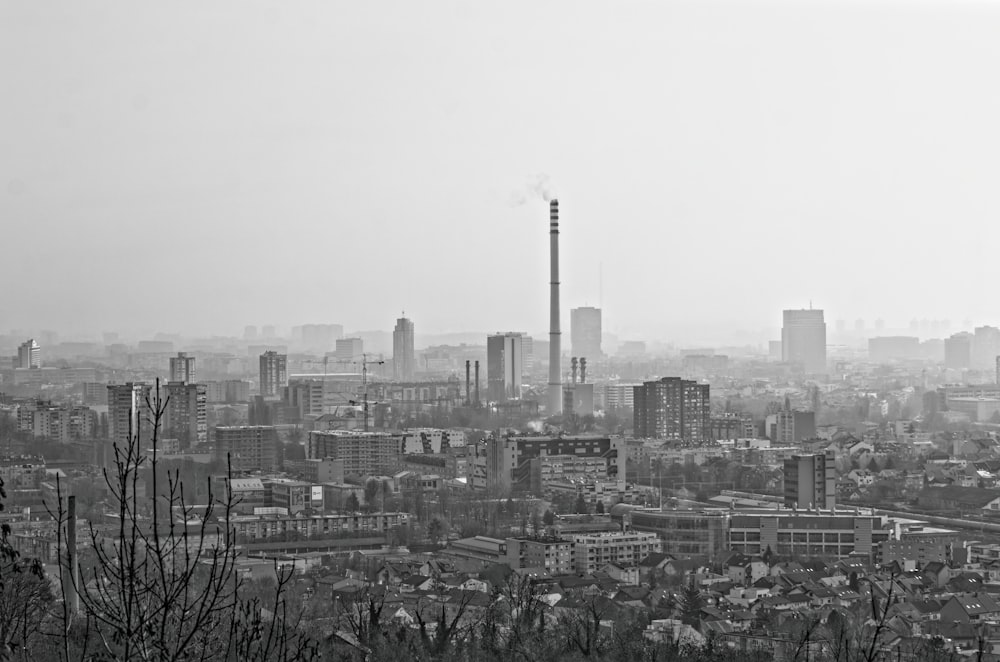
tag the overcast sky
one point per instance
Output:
(195, 167)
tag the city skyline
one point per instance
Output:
(450, 330)
(283, 155)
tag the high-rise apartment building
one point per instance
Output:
(811, 481)
(29, 355)
(182, 368)
(402, 350)
(349, 349)
(958, 351)
(186, 415)
(504, 363)
(363, 453)
(585, 332)
(619, 396)
(803, 339)
(672, 408)
(985, 347)
(248, 447)
(128, 412)
(790, 427)
(516, 463)
(273, 374)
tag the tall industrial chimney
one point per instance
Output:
(468, 386)
(555, 396)
(477, 383)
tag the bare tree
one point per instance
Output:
(26, 602)
(582, 629)
(165, 584)
(448, 627)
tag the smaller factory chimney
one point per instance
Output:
(477, 383)
(71, 570)
(572, 367)
(583, 370)
(468, 385)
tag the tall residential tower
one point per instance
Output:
(803, 339)
(402, 350)
(273, 374)
(182, 368)
(672, 408)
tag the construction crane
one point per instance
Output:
(364, 385)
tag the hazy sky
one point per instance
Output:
(195, 167)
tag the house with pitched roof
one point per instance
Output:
(970, 608)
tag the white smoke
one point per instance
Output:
(536, 186)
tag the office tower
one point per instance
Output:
(29, 355)
(585, 332)
(247, 447)
(958, 351)
(811, 481)
(402, 350)
(182, 368)
(672, 408)
(250, 332)
(803, 339)
(349, 349)
(273, 374)
(128, 412)
(985, 347)
(503, 367)
(186, 415)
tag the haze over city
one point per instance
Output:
(543, 331)
(236, 163)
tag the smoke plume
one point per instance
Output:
(537, 186)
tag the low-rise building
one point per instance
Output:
(592, 551)
(554, 554)
(251, 528)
